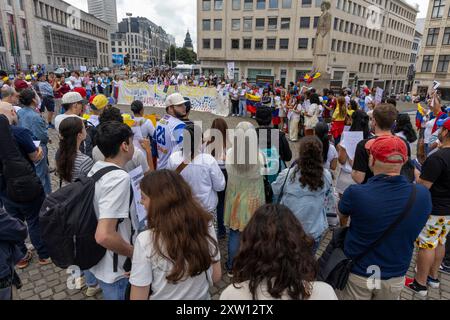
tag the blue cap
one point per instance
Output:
(40, 74)
(11, 77)
(441, 121)
(111, 101)
(447, 109)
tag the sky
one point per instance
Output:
(177, 16)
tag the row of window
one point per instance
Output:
(365, 67)
(260, 4)
(260, 24)
(394, 55)
(402, 12)
(10, 3)
(438, 9)
(356, 29)
(433, 35)
(397, 41)
(258, 44)
(19, 28)
(442, 66)
(57, 16)
(354, 48)
(394, 24)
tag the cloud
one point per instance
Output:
(174, 16)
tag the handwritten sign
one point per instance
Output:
(136, 177)
(350, 140)
(378, 95)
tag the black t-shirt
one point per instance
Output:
(361, 161)
(436, 169)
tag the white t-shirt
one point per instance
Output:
(93, 120)
(204, 176)
(429, 130)
(169, 138)
(61, 117)
(331, 155)
(151, 269)
(112, 201)
(146, 126)
(321, 291)
(139, 159)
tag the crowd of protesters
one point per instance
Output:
(272, 207)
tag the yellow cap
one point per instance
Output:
(28, 77)
(100, 102)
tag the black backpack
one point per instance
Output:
(68, 223)
(20, 179)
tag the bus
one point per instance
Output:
(188, 69)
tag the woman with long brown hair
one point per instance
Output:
(178, 257)
(275, 260)
(306, 185)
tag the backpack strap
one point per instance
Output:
(100, 173)
(181, 167)
(391, 228)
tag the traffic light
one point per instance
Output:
(127, 59)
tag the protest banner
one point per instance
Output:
(350, 140)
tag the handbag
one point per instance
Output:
(335, 266)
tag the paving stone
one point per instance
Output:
(53, 283)
(60, 296)
(33, 272)
(27, 286)
(53, 276)
(35, 277)
(40, 289)
(78, 296)
(40, 282)
(26, 294)
(46, 294)
(60, 287)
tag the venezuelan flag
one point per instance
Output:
(419, 115)
(252, 103)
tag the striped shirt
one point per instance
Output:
(83, 164)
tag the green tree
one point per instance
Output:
(182, 54)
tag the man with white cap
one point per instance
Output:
(72, 102)
(169, 131)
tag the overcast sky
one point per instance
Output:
(177, 16)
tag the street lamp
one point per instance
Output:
(392, 74)
(129, 15)
(51, 45)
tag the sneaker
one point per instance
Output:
(25, 262)
(444, 268)
(44, 262)
(93, 291)
(433, 283)
(417, 288)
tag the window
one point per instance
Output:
(303, 43)
(432, 37)
(285, 23)
(247, 24)
(333, 45)
(259, 44)
(273, 23)
(443, 63)
(271, 44)
(344, 46)
(336, 23)
(313, 42)
(218, 5)
(286, 4)
(304, 22)
(236, 24)
(217, 43)
(261, 4)
(218, 25)
(260, 23)
(438, 8)
(316, 22)
(236, 4)
(234, 43)
(318, 3)
(206, 43)
(206, 25)
(445, 41)
(284, 44)
(273, 4)
(427, 63)
(248, 4)
(339, 44)
(306, 3)
(247, 43)
(206, 5)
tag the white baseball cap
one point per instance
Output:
(175, 99)
(72, 97)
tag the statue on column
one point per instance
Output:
(321, 46)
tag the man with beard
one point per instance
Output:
(169, 131)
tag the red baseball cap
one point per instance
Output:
(92, 98)
(20, 85)
(388, 149)
(81, 91)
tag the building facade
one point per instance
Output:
(369, 41)
(144, 41)
(188, 42)
(434, 57)
(105, 10)
(51, 33)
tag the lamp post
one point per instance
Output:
(51, 46)
(129, 15)
(392, 88)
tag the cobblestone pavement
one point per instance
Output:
(50, 282)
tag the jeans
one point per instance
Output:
(28, 212)
(234, 239)
(42, 171)
(221, 208)
(114, 291)
(242, 107)
(6, 293)
(91, 280)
